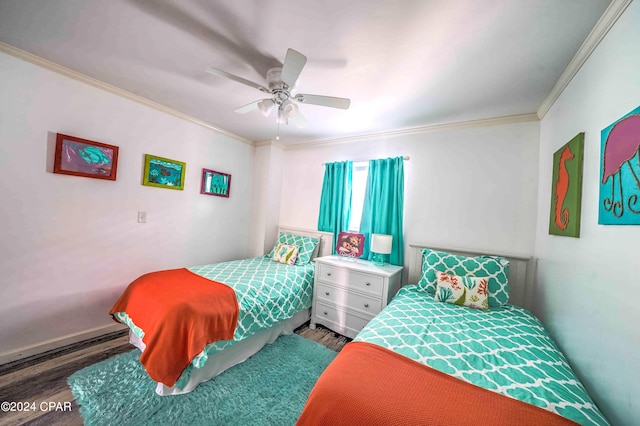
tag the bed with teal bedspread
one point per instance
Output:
(505, 349)
(268, 292)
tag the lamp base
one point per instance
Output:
(379, 259)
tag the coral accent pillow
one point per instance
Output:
(463, 291)
(285, 253)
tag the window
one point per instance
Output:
(358, 188)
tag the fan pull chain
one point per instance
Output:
(278, 132)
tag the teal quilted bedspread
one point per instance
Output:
(268, 292)
(506, 350)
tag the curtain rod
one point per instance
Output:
(405, 158)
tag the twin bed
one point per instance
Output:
(185, 342)
(430, 358)
(453, 348)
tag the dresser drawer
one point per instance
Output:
(352, 279)
(339, 320)
(340, 296)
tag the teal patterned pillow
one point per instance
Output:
(306, 246)
(495, 268)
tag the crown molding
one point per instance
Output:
(67, 72)
(270, 143)
(510, 119)
(599, 31)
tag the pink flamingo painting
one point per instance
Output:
(622, 144)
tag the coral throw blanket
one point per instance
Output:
(370, 385)
(180, 312)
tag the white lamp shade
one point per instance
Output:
(289, 108)
(265, 106)
(381, 243)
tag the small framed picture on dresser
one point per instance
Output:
(350, 245)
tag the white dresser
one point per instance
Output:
(347, 294)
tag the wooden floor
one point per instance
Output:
(41, 380)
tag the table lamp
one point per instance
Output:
(380, 247)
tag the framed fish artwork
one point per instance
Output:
(82, 157)
(163, 172)
(566, 189)
(620, 172)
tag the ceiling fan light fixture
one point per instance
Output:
(281, 82)
(289, 108)
(282, 117)
(265, 106)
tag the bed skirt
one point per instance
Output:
(231, 355)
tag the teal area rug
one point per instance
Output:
(270, 388)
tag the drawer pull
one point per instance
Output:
(366, 305)
(326, 292)
(326, 313)
(328, 274)
(367, 283)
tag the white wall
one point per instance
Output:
(267, 182)
(472, 188)
(69, 245)
(587, 287)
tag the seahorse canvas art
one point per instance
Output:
(562, 187)
(566, 190)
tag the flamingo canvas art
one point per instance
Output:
(620, 172)
(566, 189)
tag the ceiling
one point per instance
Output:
(404, 64)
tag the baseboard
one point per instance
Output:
(48, 345)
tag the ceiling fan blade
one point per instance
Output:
(233, 77)
(328, 101)
(298, 120)
(292, 67)
(247, 108)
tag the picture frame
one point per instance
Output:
(350, 244)
(83, 157)
(215, 183)
(566, 189)
(619, 200)
(163, 172)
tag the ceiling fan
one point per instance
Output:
(281, 83)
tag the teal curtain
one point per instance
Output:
(335, 201)
(382, 212)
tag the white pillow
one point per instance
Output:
(285, 253)
(462, 290)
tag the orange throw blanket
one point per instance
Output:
(370, 385)
(180, 312)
